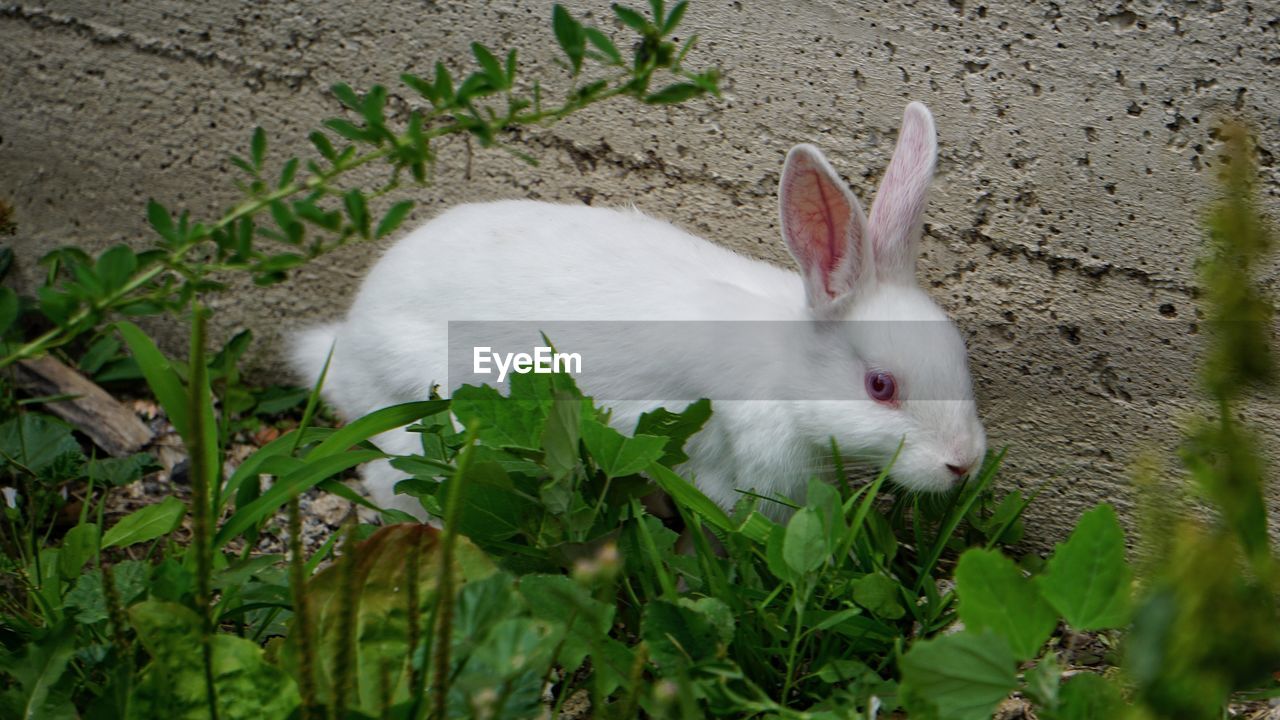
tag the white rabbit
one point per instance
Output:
(897, 373)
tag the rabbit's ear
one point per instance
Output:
(896, 215)
(823, 226)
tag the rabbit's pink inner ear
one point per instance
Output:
(897, 214)
(821, 224)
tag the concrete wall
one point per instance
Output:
(1076, 158)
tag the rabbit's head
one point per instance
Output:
(887, 344)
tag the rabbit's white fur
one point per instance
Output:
(534, 261)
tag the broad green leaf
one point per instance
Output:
(504, 421)
(173, 684)
(38, 442)
(36, 672)
(119, 471)
(880, 594)
(115, 266)
(1086, 696)
(804, 548)
(88, 600)
(560, 436)
(379, 606)
(514, 655)
(145, 524)
(1044, 682)
(680, 634)
(1087, 579)
(677, 428)
(79, 545)
(962, 676)
(161, 377)
(582, 620)
(492, 508)
(616, 454)
(994, 595)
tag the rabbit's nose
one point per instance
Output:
(958, 470)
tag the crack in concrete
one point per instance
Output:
(101, 34)
(1057, 263)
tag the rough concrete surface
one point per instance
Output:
(1077, 157)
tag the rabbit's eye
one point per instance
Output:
(882, 387)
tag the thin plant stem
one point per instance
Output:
(445, 585)
(201, 482)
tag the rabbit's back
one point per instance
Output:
(526, 260)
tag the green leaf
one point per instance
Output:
(323, 146)
(346, 95)
(173, 684)
(374, 587)
(420, 86)
(1043, 683)
(616, 454)
(161, 377)
(604, 45)
(583, 621)
(962, 676)
(258, 148)
(804, 548)
(79, 546)
(1087, 696)
(688, 495)
(560, 436)
(1087, 579)
(676, 93)
(288, 172)
(677, 428)
(570, 36)
(37, 441)
(444, 85)
(995, 596)
(161, 221)
(492, 68)
(350, 130)
(57, 306)
(87, 599)
(506, 422)
(392, 219)
(630, 18)
(679, 634)
(674, 18)
(312, 472)
(145, 524)
(357, 211)
(880, 594)
(115, 267)
(37, 671)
